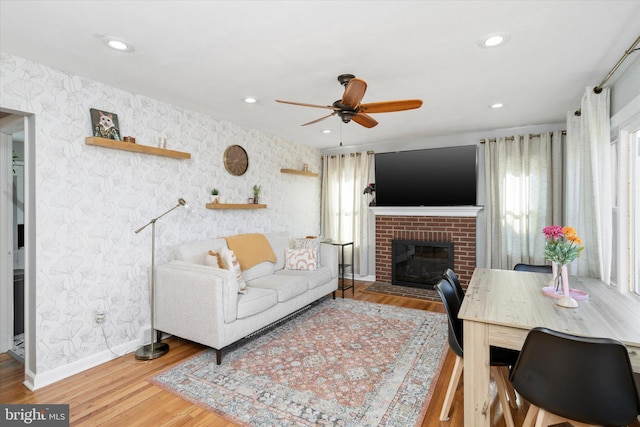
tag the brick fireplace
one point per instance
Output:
(450, 225)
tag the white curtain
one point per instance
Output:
(523, 181)
(589, 184)
(345, 207)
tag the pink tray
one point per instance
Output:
(576, 294)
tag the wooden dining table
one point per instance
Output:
(501, 306)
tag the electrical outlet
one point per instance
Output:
(100, 316)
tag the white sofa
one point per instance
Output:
(201, 303)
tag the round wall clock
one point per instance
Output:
(236, 160)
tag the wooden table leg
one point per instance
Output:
(477, 401)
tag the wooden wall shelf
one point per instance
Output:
(235, 206)
(298, 172)
(136, 148)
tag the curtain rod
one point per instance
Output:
(511, 138)
(333, 156)
(628, 52)
(598, 88)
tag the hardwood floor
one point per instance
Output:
(117, 393)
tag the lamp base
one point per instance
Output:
(567, 302)
(152, 351)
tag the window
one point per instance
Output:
(634, 212)
(626, 209)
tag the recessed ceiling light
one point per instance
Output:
(494, 40)
(250, 100)
(496, 105)
(326, 131)
(117, 44)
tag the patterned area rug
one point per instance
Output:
(340, 363)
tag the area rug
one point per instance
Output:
(342, 362)
(403, 291)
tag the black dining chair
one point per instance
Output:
(499, 357)
(451, 276)
(533, 268)
(579, 380)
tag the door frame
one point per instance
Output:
(15, 122)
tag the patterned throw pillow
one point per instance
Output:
(300, 259)
(309, 243)
(231, 263)
(214, 260)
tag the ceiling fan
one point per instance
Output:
(349, 107)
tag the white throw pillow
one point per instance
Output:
(214, 260)
(309, 243)
(231, 263)
(300, 259)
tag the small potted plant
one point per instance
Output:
(256, 193)
(214, 196)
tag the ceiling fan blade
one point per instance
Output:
(320, 119)
(331, 107)
(353, 93)
(390, 106)
(364, 120)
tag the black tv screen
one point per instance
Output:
(429, 177)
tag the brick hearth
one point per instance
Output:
(461, 231)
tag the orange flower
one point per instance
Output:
(573, 238)
(569, 231)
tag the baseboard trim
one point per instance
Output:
(34, 381)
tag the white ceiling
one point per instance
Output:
(208, 55)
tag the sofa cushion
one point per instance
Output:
(263, 269)
(197, 251)
(256, 301)
(314, 278)
(286, 286)
(300, 259)
(279, 242)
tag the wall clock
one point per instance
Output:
(236, 160)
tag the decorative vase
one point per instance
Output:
(555, 280)
(566, 300)
(255, 199)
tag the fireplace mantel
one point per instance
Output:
(446, 211)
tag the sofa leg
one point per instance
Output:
(334, 294)
(218, 356)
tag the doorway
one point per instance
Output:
(17, 219)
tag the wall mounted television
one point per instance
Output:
(429, 177)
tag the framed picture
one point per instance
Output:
(105, 124)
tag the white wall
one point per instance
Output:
(89, 201)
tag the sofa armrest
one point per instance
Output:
(194, 301)
(329, 257)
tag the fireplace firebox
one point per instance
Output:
(420, 264)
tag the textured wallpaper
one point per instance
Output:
(89, 201)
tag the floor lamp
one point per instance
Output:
(154, 350)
